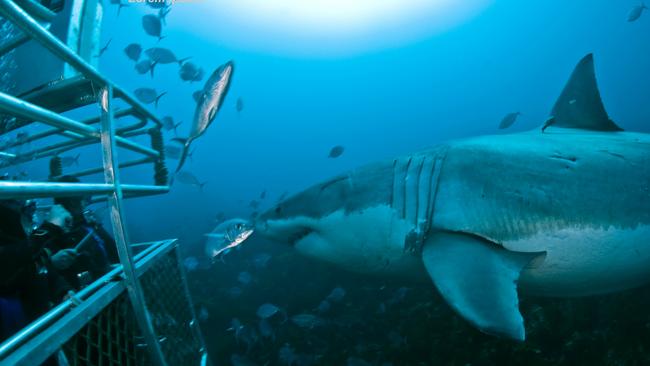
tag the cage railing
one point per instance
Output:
(50, 333)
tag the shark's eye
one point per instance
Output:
(238, 226)
(278, 210)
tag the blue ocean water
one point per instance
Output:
(302, 96)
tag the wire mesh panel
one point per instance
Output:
(112, 337)
(171, 311)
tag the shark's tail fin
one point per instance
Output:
(580, 105)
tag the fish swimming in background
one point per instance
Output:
(636, 12)
(164, 56)
(268, 310)
(103, 49)
(261, 260)
(306, 320)
(226, 236)
(173, 151)
(265, 329)
(239, 105)
(190, 72)
(565, 213)
(68, 161)
(189, 178)
(244, 278)
(508, 120)
(152, 26)
(145, 66)
(263, 195)
(162, 14)
(337, 295)
(191, 264)
(168, 123)
(209, 101)
(133, 52)
(148, 95)
(336, 151)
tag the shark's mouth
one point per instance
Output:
(284, 231)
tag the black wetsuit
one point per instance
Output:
(95, 257)
(28, 284)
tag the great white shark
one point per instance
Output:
(561, 212)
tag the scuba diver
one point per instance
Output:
(29, 283)
(88, 249)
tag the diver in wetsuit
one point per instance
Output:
(93, 257)
(29, 285)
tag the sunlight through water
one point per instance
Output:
(322, 27)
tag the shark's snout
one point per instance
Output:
(282, 231)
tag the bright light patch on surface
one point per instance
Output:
(327, 25)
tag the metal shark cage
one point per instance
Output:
(140, 313)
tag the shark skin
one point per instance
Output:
(565, 212)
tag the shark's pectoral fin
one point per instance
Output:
(479, 280)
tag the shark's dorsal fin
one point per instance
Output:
(579, 105)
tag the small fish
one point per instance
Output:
(203, 314)
(508, 120)
(162, 14)
(268, 310)
(163, 56)
(636, 12)
(336, 295)
(265, 329)
(152, 26)
(208, 104)
(145, 66)
(287, 355)
(191, 264)
(239, 105)
(261, 260)
(103, 49)
(227, 235)
(173, 151)
(244, 278)
(336, 151)
(148, 95)
(190, 72)
(323, 307)
(189, 178)
(133, 52)
(168, 123)
(68, 161)
(309, 321)
(263, 195)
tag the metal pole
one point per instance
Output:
(111, 175)
(33, 29)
